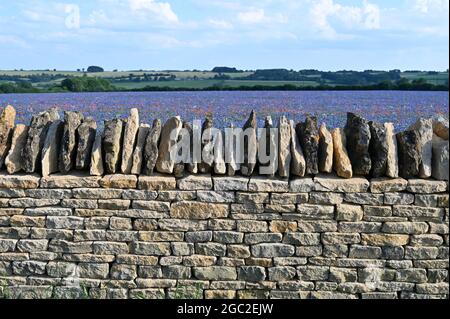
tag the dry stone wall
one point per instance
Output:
(122, 236)
(354, 212)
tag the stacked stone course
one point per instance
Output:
(122, 236)
(67, 230)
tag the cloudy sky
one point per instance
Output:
(201, 34)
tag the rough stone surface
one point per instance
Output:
(86, 133)
(250, 145)
(151, 150)
(308, 133)
(129, 141)
(341, 160)
(97, 168)
(138, 154)
(37, 132)
(424, 130)
(326, 150)
(440, 166)
(207, 147)
(284, 152)
(268, 149)
(298, 163)
(192, 166)
(357, 132)
(169, 137)
(14, 160)
(68, 151)
(51, 148)
(392, 151)
(112, 140)
(379, 149)
(233, 165)
(408, 154)
(7, 120)
(440, 126)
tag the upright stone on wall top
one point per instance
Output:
(112, 141)
(424, 129)
(151, 149)
(309, 140)
(68, 150)
(284, 145)
(97, 168)
(341, 161)
(378, 149)
(129, 141)
(392, 156)
(325, 150)
(37, 132)
(14, 160)
(250, 145)
(52, 148)
(86, 137)
(7, 119)
(138, 154)
(408, 154)
(169, 137)
(357, 133)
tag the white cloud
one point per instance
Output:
(162, 10)
(367, 16)
(251, 16)
(10, 40)
(219, 24)
(425, 6)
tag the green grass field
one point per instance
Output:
(186, 79)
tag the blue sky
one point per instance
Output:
(201, 34)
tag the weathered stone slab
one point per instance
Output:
(112, 137)
(67, 153)
(120, 181)
(336, 184)
(14, 160)
(357, 132)
(151, 150)
(298, 162)
(441, 127)
(233, 165)
(72, 180)
(138, 154)
(19, 181)
(129, 141)
(378, 149)
(392, 155)
(192, 165)
(86, 134)
(97, 168)
(169, 137)
(7, 120)
(197, 210)
(220, 168)
(408, 154)
(250, 145)
(52, 148)
(424, 129)
(284, 144)
(301, 185)
(308, 134)
(265, 184)
(237, 183)
(195, 182)
(207, 159)
(325, 150)
(341, 160)
(268, 149)
(157, 182)
(37, 132)
(386, 185)
(440, 163)
(421, 186)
